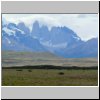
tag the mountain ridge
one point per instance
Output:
(60, 41)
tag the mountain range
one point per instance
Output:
(61, 41)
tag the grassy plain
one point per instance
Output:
(44, 77)
(43, 69)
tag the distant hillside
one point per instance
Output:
(29, 55)
(12, 59)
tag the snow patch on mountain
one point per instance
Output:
(16, 29)
(9, 31)
(77, 38)
(8, 40)
(12, 30)
(50, 44)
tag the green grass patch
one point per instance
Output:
(45, 77)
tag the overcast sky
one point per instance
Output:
(85, 25)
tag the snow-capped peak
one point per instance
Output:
(16, 29)
(77, 38)
(9, 31)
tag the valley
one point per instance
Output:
(46, 69)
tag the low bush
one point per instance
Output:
(61, 73)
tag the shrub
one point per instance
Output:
(61, 73)
(30, 70)
(19, 70)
